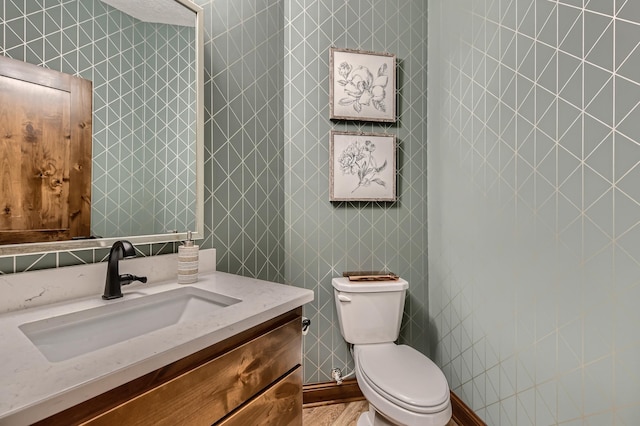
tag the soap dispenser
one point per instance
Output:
(188, 261)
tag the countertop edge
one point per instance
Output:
(83, 391)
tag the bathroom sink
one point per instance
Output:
(66, 336)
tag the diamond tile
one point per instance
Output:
(346, 236)
(560, 228)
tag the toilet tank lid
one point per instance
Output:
(343, 284)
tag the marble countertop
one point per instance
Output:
(33, 388)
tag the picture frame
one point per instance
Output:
(362, 85)
(362, 166)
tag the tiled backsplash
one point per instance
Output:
(34, 262)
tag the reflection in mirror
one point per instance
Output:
(145, 69)
(45, 154)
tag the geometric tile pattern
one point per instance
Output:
(34, 262)
(323, 239)
(244, 192)
(245, 149)
(138, 104)
(534, 207)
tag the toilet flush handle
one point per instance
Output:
(343, 297)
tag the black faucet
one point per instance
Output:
(112, 287)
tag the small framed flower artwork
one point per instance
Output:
(363, 166)
(362, 85)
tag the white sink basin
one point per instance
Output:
(66, 336)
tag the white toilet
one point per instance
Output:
(403, 386)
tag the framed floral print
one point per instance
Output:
(362, 85)
(362, 166)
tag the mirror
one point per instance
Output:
(144, 58)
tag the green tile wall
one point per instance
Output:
(323, 239)
(244, 195)
(534, 209)
(244, 160)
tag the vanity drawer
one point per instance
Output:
(279, 405)
(210, 391)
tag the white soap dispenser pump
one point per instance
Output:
(188, 261)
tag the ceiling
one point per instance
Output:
(158, 11)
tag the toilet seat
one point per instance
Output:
(403, 376)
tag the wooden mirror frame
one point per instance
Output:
(30, 248)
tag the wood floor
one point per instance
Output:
(334, 414)
(338, 414)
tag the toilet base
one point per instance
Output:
(373, 418)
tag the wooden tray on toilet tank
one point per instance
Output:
(370, 276)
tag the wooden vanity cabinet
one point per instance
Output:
(254, 377)
(45, 154)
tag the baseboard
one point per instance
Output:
(462, 414)
(318, 394)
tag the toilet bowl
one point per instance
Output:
(402, 386)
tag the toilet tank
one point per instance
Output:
(369, 311)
